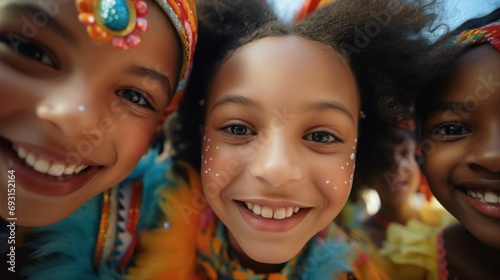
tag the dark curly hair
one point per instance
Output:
(381, 39)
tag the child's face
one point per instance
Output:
(462, 143)
(401, 179)
(280, 137)
(69, 104)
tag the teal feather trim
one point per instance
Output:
(65, 250)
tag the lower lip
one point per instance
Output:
(489, 209)
(271, 225)
(398, 186)
(43, 184)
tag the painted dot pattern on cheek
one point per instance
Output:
(352, 157)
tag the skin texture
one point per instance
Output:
(281, 128)
(462, 144)
(62, 102)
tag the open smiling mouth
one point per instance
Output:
(483, 196)
(269, 213)
(44, 175)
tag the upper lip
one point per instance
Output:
(484, 184)
(274, 204)
(52, 154)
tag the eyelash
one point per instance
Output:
(32, 51)
(226, 129)
(440, 130)
(139, 96)
(332, 139)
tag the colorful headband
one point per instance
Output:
(120, 21)
(486, 34)
(309, 7)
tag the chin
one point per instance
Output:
(264, 253)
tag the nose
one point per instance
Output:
(71, 108)
(485, 154)
(276, 161)
(406, 165)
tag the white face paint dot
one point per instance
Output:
(210, 158)
(206, 171)
(352, 156)
(335, 188)
(205, 162)
(217, 174)
(345, 182)
(342, 168)
(208, 139)
(217, 147)
(327, 182)
(353, 147)
(356, 140)
(346, 163)
(204, 137)
(81, 108)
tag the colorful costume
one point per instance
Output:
(195, 246)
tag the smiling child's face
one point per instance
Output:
(75, 115)
(279, 145)
(462, 136)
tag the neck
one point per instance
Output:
(399, 213)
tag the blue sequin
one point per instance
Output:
(114, 14)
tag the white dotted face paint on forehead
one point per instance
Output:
(81, 108)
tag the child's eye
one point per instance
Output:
(451, 129)
(320, 137)
(32, 51)
(237, 130)
(135, 97)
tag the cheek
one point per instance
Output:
(219, 165)
(130, 144)
(335, 175)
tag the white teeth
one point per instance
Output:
(56, 169)
(485, 197)
(46, 166)
(490, 197)
(69, 170)
(256, 209)
(22, 153)
(42, 166)
(268, 213)
(31, 159)
(279, 213)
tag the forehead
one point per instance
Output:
(291, 67)
(476, 70)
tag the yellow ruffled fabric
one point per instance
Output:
(411, 249)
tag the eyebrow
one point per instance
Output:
(240, 100)
(163, 80)
(446, 106)
(52, 23)
(324, 105)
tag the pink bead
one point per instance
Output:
(119, 42)
(141, 24)
(133, 40)
(142, 8)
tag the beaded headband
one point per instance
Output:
(486, 34)
(119, 22)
